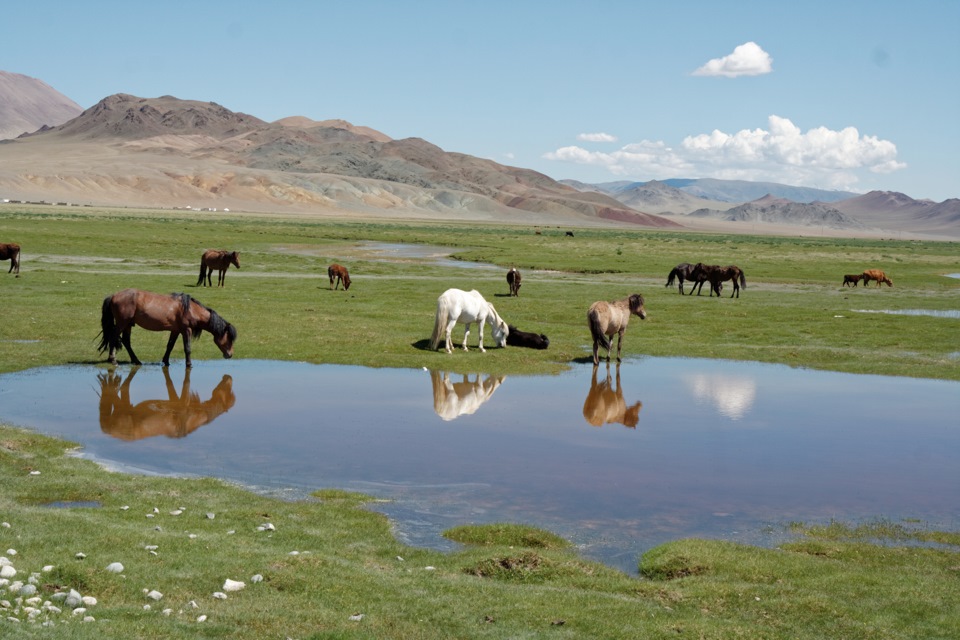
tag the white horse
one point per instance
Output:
(466, 307)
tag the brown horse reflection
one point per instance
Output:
(454, 399)
(605, 403)
(177, 416)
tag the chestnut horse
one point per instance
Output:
(466, 307)
(338, 273)
(876, 274)
(219, 260)
(513, 279)
(177, 416)
(717, 275)
(608, 318)
(11, 252)
(177, 313)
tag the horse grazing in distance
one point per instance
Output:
(219, 260)
(513, 280)
(605, 403)
(717, 275)
(517, 338)
(852, 278)
(608, 318)
(876, 274)
(454, 399)
(680, 272)
(466, 307)
(177, 313)
(11, 251)
(339, 273)
(176, 417)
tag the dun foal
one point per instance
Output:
(609, 318)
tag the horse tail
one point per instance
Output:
(110, 337)
(743, 281)
(203, 272)
(673, 274)
(439, 326)
(597, 331)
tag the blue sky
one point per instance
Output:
(855, 95)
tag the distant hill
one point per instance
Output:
(890, 209)
(769, 209)
(734, 191)
(27, 104)
(167, 151)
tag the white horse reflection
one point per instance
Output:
(454, 399)
(177, 416)
(605, 403)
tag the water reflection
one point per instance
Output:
(176, 416)
(605, 403)
(733, 395)
(454, 399)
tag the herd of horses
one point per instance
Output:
(187, 318)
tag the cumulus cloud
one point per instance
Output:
(596, 137)
(779, 153)
(748, 59)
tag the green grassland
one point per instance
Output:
(329, 559)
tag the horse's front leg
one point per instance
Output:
(466, 334)
(480, 336)
(187, 334)
(125, 340)
(619, 344)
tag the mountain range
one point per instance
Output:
(168, 152)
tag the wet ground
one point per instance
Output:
(668, 448)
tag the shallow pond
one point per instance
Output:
(668, 448)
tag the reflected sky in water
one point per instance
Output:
(615, 462)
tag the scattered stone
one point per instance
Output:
(34, 473)
(89, 601)
(27, 590)
(166, 612)
(79, 611)
(219, 595)
(147, 607)
(47, 568)
(5, 525)
(357, 617)
(124, 508)
(233, 585)
(176, 512)
(151, 547)
(267, 527)
(202, 619)
(155, 595)
(89, 619)
(115, 567)
(256, 578)
(211, 516)
(11, 552)
(7, 571)
(73, 599)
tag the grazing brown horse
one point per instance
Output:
(852, 278)
(513, 279)
(681, 272)
(11, 252)
(177, 313)
(605, 403)
(876, 274)
(608, 318)
(176, 417)
(717, 275)
(219, 260)
(339, 273)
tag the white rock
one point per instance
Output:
(11, 552)
(124, 508)
(202, 619)
(73, 599)
(5, 525)
(53, 609)
(219, 595)
(34, 473)
(7, 571)
(166, 612)
(233, 585)
(154, 595)
(267, 527)
(79, 611)
(176, 512)
(27, 590)
(89, 619)
(147, 607)
(80, 556)
(150, 515)
(4, 561)
(256, 578)
(5, 604)
(356, 617)
(211, 516)
(12, 619)
(192, 536)
(151, 547)
(88, 601)
(34, 601)
(115, 567)
(193, 604)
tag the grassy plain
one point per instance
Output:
(508, 581)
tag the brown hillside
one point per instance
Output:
(27, 104)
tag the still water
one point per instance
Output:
(615, 462)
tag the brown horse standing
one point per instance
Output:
(11, 252)
(513, 279)
(681, 272)
(876, 274)
(852, 278)
(219, 260)
(717, 275)
(177, 313)
(339, 273)
(609, 318)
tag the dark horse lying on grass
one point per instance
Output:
(716, 275)
(219, 260)
(177, 313)
(517, 338)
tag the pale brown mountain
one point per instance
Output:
(769, 209)
(893, 210)
(166, 152)
(27, 104)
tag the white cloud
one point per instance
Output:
(748, 59)
(781, 153)
(596, 137)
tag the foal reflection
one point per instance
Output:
(605, 403)
(454, 399)
(175, 417)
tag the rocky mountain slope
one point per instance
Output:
(26, 104)
(769, 209)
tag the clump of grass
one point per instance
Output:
(506, 535)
